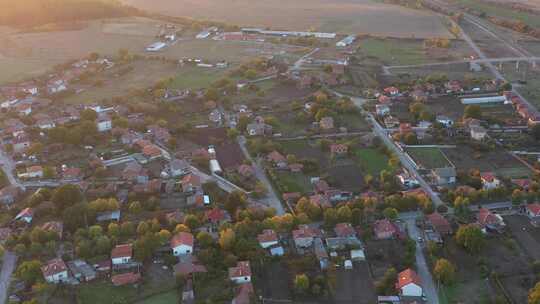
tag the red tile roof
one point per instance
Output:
(124, 250)
(344, 230)
(242, 269)
(276, 157)
(186, 268)
(488, 177)
(305, 231)
(384, 225)
(534, 209)
(182, 238)
(215, 215)
(407, 277)
(486, 217)
(268, 235)
(53, 267)
(440, 223)
(125, 278)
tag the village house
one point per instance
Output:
(179, 167)
(241, 273)
(267, 238)
(391, 91)
(326, 123)
(304, 235)
(33, 172)
(338, 150)
(26, 215)
(53, 226)
(24, 109)
(55, 271)
(382, 109)
(182, 243)
(384, 100)
(258, 127)
(134, 172)
(522, 183)
(320, 200)
(122, 254)
(125, 278)
(478, 133)
(45, 123)
(187, 267)
(81, 270)
(71, 173)
(191, 183)
(445, 121)
(321, 253)
(345, 230)
(320, 185)
(439, 223)
(278, 161)
(384, 229)
(490, 221)
(103, 123)
(533, 213)
(152, 152)
(216, 217)
(489, 181)
(159, 134)
(409, 284)
(215, 116)
(246, 171)
(444, 176)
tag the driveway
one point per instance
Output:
(421, 265)
(271, 199)
(8, 266)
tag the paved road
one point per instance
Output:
(272, 199)
(430, 290)
(405, 160)
(8, 266)
(298, 64)
(8, 166)
(484, 60)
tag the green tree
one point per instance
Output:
(473, 111)
(444, 271)
(301, 284)
(344, 214)
(204, 239)
(330, 217)
(66, 196)
(534, 294)
(227, 238)
(390, 213)
(470, 237)
(29, 271)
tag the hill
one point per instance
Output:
(27, 13)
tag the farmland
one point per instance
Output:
(372, 160)
(500, 11)
(428, 158)
(343, 16)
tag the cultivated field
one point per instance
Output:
(344, 16)
(30, 54)
(428, 158)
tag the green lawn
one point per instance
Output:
(474, 291)
(393, 51)
(428, 158)
(104, 292)
(293, 182)
(372, 160)
(498, 11)
(170, 297)
(196, 77)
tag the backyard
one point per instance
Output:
(428, 158)
(371, 160)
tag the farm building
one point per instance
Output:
(154, 47)
(346, 41)
(483, 100)
(288, 33)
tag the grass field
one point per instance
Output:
(196, 78)
(392, 51)
(428, 158)
(343, 16)
(105, 293)
(170, 297)
(294, 182)
(499, 11)
(372, 160)
(144, 74)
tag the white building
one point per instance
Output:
(409, 284)
(241, 273)
(55, 271)
(182, 244)
(122, 254)
(346, 41)
(267, 238)
(155, 47)
(104, 123)
(489, 181)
